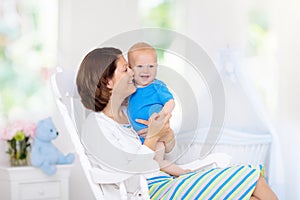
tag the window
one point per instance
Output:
(28, 50)
(261, 53)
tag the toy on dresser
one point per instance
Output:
(43, 153)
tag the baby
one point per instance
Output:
(151, 96)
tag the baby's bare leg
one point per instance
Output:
(166, 165)
(168, 140)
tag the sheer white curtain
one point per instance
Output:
(272, 65)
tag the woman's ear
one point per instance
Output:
(110, 84)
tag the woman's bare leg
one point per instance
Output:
(263, 191)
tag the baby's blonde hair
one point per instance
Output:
(140, 46)
(137, 47)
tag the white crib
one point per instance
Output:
(245, 133)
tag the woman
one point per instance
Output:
(104, 82)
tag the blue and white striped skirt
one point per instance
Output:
(236, 182)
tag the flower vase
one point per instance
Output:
(17, 161)
(19, 154)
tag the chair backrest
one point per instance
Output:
(63, 88)
(66, 92)
(74, 114)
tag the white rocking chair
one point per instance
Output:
(74, 114)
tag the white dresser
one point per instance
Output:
(20, 183)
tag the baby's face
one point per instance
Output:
(144, 66)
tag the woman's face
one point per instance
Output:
(122, 81)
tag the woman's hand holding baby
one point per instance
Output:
(158, 127)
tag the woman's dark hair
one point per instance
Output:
(97, 67)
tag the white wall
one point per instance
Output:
(216, 24)
(84, 25)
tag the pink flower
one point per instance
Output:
(29, 129)
(26, 127)
(7, 133)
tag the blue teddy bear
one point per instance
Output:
(43, 153)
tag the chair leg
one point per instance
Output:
(123, 192)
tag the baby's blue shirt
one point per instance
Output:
(147, 100)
